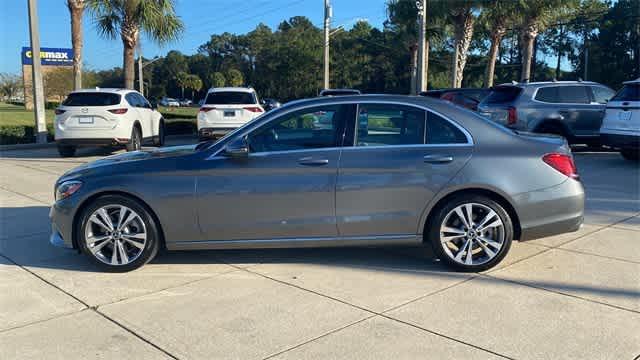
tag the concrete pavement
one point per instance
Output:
(571, 296)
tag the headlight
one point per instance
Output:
(67, 189)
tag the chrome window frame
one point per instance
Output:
(248, 129)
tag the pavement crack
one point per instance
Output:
(25, 195)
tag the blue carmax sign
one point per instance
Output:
(49, 56)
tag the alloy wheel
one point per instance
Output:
(115, 235)
(472, 234)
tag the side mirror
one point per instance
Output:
(154, 104)
(237, 149)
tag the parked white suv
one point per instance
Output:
(621, 125)
(225, 109)
(97, 117)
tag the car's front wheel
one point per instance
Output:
(471, 233)
(118, 233)
(161, 135)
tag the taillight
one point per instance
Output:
(58, 111)
(206, 109)
(118, 111)
(253, 109)
(563, 163)
(512, 116)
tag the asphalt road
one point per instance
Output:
(570, 296)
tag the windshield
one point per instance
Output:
(629, 92)
(230, 98)
(91, 99)
(502, 94)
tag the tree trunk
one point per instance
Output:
(76, 8)
(425, 81)
(559, 54)
(129, 33)
(529, 34)
(463, 32)
(414, 68)
(496, 38)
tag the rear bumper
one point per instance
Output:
(92, 142)
(551, 211)
(211, 132)
(622, 141)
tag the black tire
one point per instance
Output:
(66, 150)
(433, 232)
(135, 142)
(159, 141)
(631, 154)
(151, 245)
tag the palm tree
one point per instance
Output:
(128, 18)
(182, 79)
(76, 9)
(194, 83)
(495, 18)
(462, 14)
(536, 14)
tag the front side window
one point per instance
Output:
(312, 128)
(441, 131)
(382, 124)
(601, 95)
(629, 92)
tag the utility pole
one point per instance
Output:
(327, 24)
(586, 61)
(140, 81)
(36, 71)
(422, 18)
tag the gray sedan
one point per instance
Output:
(337, 171)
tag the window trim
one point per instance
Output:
(344, 146)
(355, 130)
(588, 91)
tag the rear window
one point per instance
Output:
(629, 92)
(503, 94)
(92, 99)
(230, 98)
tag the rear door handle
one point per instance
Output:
(308, 161)
(437, 159)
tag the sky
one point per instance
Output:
(201, 17)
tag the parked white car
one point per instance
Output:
(621, 124)
(165, 101)
(225, 109)
(97, 117)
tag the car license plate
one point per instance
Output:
(229, 113)
(624, 115)
(85, 120)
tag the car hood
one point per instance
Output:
(127, 157)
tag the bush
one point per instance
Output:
(20, 134)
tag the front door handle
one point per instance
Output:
(308, 161)
(438, 159)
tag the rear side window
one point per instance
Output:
(91, 99)
(441, 131)
(503, 94)
(132, 99)
(629, 92)
(574, 94)
(230, 98)
(381, 124)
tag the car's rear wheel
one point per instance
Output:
(118, 233)
(631, 154)
(471, 233)
(66, 150)
(161, 136)
(135, 142)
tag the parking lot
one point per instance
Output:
(571, 296)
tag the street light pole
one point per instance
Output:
(422, 16)
(36, 71)
(327, 24)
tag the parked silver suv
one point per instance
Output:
(573, 109)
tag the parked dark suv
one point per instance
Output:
(573, 109)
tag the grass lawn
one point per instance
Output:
(174, 112)
(17, 115)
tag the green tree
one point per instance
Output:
(194, 83)
(495, 18)
(10, 85)
(217, 79)
(182, 79)
(58, 83)
(128, 18)
(462, 14)
(235, 77)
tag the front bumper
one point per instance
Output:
(61, 216)
(621, 141)
(551, 211)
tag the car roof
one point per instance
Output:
(636, 81)
(235, 89)
(389, 98)
(544, 83)
(105, 90)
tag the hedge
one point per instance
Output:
(25, 134)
